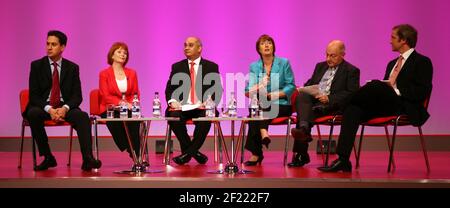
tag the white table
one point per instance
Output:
(138, 160)
(231, 167)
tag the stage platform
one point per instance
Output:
(410, 172)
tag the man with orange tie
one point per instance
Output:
(55, 94)
(190, 83)
(407, 83)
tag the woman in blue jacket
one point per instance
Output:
(272, 81)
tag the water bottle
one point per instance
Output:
(254, 106)
(232, 105)
(210, 106)
(136, 108)
(123, 107)
(156, 105)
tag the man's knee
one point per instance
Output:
(78, 115)
(173, 114)
(34, 113)
(203, 124)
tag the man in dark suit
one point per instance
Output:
(337, 79)
(55, 94)
(407, 83)
(190, 83)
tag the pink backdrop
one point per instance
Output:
(155, 31)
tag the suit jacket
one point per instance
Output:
(109, 91)
(181, 70)
(286, 82)
(345, 82)
(40, 83)
(414, 83)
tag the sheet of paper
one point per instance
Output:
(312, 90)
(188, 107)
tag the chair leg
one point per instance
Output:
(422, 141)
(96, 139)
(358, 157)
(391, 154)
(288, 136)
(70, 145)
(322, 151)
(330, 137)
(389, 143)
(22, 134)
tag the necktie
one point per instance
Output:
(192, 93)
(55, 94)
(394, 74)
(329, 81)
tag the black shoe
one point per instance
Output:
(266, 141)
(182, 159)
(200, 157)
(253, 163)
(299, 160)
(91, 163)
(301, 134)
(48, 162)
(337, 165)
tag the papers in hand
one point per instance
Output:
(188, 107)
(312, 90)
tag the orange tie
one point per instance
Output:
(193, 97)
(394, 74)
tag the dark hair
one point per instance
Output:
(113, 48)
(60, 35)
(408, 33)
(263, 38)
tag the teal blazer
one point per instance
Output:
(281, 72)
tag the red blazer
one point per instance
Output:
(109, 91)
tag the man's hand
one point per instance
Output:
(62, 112)
(54, 114)
(175, 105)
(323, 98)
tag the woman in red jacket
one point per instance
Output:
(115, 80)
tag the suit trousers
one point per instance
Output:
(76, 117)
(375, 99)
(179, 128)
(305, 103)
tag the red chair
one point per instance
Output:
(395, 121)
(287, 120)
(94, 111)
(331, 121)
(23, 98)
(95, 99)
